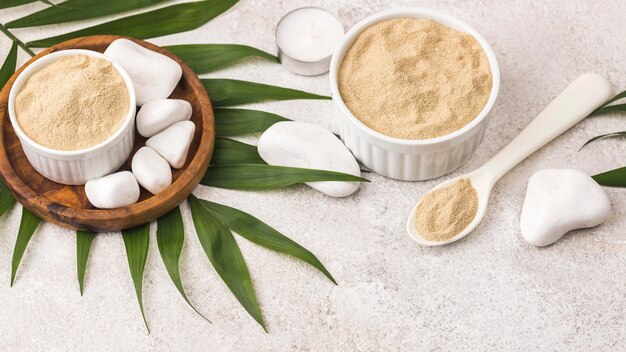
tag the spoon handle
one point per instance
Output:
(588, 92)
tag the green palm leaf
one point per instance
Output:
(8, 67)
(10, 3)
(6, 199)
(229, 92)
(609, 109)
(261, 177)
(47, 2)
(260, 233)
(6, 71)
(227, 152)
(236, 122)
(604, 136)
(612, 178)
(170, 239)
(28, 225)
(75, 10)
(205, 58)
(15, 40)
(136, 241)
(84, 239)
(224, 253)
(168, 20)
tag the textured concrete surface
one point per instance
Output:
(489, 291)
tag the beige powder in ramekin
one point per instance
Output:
(75, 103)
(415, 79)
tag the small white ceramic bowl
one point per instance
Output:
(78, 166)
(403, 159)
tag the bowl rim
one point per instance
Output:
(413, 12)
(45, 61)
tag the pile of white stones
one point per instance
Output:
(165, 122)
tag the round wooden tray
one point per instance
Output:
(68, 205)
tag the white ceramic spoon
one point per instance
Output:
(578, 100)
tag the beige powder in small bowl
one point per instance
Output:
(415, 79)
(75, 103)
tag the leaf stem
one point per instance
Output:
(21, 44)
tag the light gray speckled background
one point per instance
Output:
(489, 291)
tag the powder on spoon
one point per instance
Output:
(415, 79)
(74, 103)
(444, 213)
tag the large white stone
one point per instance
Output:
(561, 200)
(154, 75)
(157, 115)
(151, 170)
(173, 143)
(299, 144)
(113, 191)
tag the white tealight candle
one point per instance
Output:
(306, 39)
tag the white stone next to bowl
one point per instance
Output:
(411, 160)
(157, 115)
(151, 171)
(306, 145)
(113, 191)
(173, 143)
(154, 75)
(79, 166)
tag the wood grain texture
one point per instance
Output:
(68, 205)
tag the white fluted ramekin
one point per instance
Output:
(403, 159)
(78, 166)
